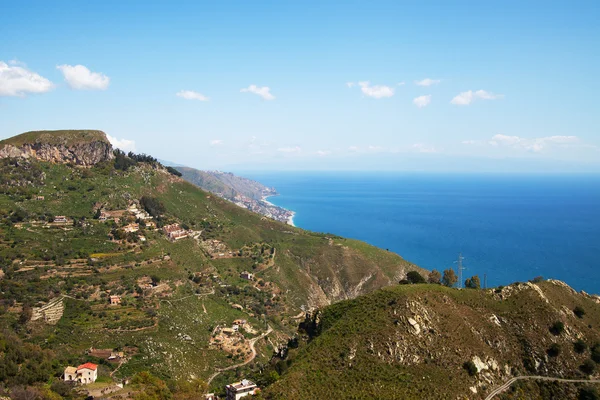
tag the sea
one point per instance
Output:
(508, 228)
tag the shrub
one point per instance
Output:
(470, 367)
(596, 352)
(449, 279)
(473, 282)
(579, 311)
(588, 393)
(553, 350)
(537, 279)
(415, 277)
(434, 277)
(588, 367)
(173, 171)
(579, 346)
(557, 328)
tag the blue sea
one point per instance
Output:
(508, 227)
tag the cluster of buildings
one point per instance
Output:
(262, 207)
(84, 374)
(175, 232)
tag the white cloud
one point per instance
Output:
(427, 82)
(470, 142)
(123, 144)
(401, 83)
(353, 149)
(191, 95)
(466, 98)
(536, 145)
(323, 153)
(377, 91)
(374, 148)
(216, 142)
(17, 63)
(16, 80)
(263, 91)
(350, 84)
(81, 78)
(423, 148)
(422, 101)
(295, 149)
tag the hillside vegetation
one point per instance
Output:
(71, 236)
(434, 342)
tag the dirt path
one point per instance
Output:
(508, 383)
(248, 361)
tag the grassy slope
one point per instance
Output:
(367, 348)
(65, 137)
(309, 268)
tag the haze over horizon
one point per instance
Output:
(463, 86)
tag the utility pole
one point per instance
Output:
(460, 270)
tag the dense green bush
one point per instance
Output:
(579, 311)
(553, 350)
(470, 367)
(579, 346)
(557, 328)
(588, 367)
(415, 277)
(588, 393)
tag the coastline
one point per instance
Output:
(290, 220)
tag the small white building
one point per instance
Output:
(70, 374)
(241, 389)
(247, 275)
(84, 374)
(60, 219)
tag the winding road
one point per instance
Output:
(508, 383)
(248, 361)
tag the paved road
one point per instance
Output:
(252, 342)
(508, 383)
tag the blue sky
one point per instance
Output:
(239, 85)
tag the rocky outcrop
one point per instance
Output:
(57, 149)
(50, 312)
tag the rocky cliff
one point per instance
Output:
(80, 147)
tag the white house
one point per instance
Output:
(84, 374)
(87, 373)
(241, 389)
(247, 275)
(70, 374)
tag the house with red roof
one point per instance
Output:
(84, 374)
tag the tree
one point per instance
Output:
(473, 282)
(470, 367)
(553, 350)
(579, 311)
(449, 279)
(579, 346)
(588, 393)
(557, 328)
(588, 367)
(434, 277)
(415, 277)
(596, 352)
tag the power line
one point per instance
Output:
(460, 269)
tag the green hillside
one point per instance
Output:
(420, 341)
(176, 296)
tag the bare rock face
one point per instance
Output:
(52, 147)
